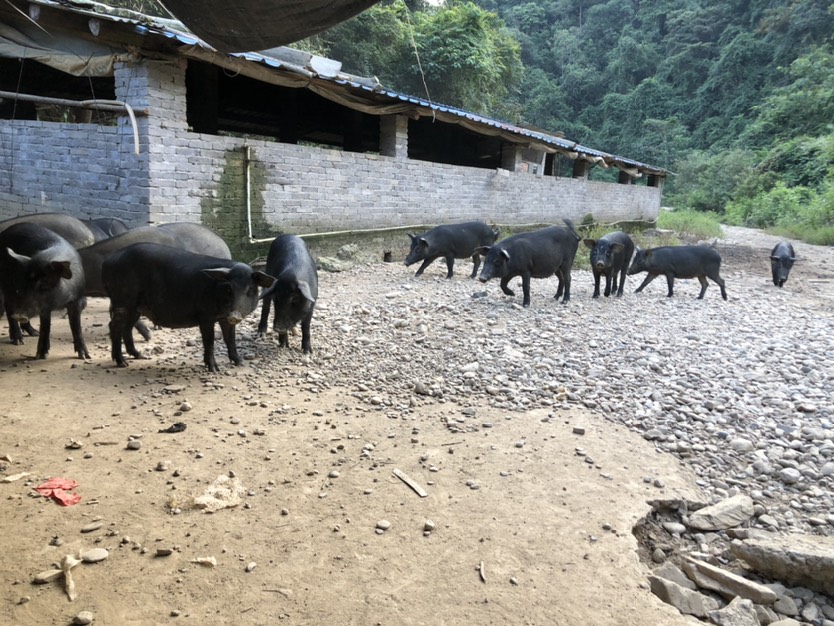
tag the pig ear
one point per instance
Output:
(424, 242)
(590, 242)
(62, 269)
(18, 257)
(617, 246)
(217, 273)
(304, 288)
(412, 237)
(647, 254)
(483, 250)
(263, 280)
(505, 253)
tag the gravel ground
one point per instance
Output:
(737, 393)
(739, 390)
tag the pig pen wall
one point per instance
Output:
(89, 170)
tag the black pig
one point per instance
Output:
(610, 255)
(106, 227)
(178, 289)
(75, 231)
(294, 291)
(781, 261)
(537, 254)
(699, 262)
(41, 272)
(451, 241)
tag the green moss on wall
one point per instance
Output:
(225, 211)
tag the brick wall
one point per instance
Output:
(90, 170)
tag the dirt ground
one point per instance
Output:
(532, 514)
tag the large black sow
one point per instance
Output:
(538, 254)
(782, 258)
(294, 291)
(699, 262)
(178, 289)
(610, 255)
(41, 272)
(451, 241)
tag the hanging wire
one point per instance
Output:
(417, 56)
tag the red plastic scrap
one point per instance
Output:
(58, 489)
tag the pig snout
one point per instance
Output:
(234, 318)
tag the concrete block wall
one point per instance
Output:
(89, 170)
(86, 170)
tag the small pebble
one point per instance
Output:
(95, 555)
(250, 566)
(84, 617)
(91, 527)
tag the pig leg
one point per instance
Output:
(43, 340)
(561, 284)
(283, 339)
(425, 264)
(525, 288)
(566, 278)
(450, 263)
(30, 330)
(597, 278)
(15, 334)
(720, 282)
(608, 286)
(649, 278)
(127, 335)
(207, 333)
(704, 284)
(505, 288)
(74, 316)
(622, 282)
(476, 261)
(228, 331)
(121, 330)
(262, 324)
(143, 330)
(306, 346)
(670, 282)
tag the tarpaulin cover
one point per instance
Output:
(243, 26)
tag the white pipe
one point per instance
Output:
(102, 105)
(247, 158)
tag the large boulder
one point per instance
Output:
(794, 559)
(728, 513)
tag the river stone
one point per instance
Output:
(94, 555)
(46, 576)
(726, 583)
(726, 514)
(684, 600)
(674, 528)
(793, 559)
(740, 612)
(83, 618)
(672, 572)
(790, 475)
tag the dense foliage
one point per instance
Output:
(736, 97)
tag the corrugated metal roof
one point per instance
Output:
(375, 94)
